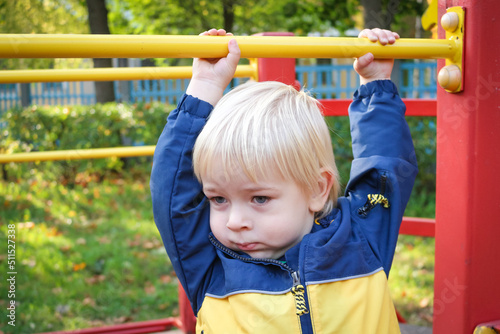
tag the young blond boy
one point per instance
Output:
(247, 202)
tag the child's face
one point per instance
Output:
(262, 219)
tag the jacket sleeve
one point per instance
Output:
(384, 166)
(180, 209)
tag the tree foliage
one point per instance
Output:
(189, 17)
(397, 15)
(47, 17)
(241, 17)
(40, 17)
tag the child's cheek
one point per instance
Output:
(217, 222)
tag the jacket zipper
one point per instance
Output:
(297, 288)
(374, 199)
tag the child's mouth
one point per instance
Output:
(246, 246)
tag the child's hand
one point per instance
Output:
(211, 76)
(370, 69)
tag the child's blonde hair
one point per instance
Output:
(265, 126)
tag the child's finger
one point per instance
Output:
(234, 53)
(382, 35)
(212, 32)
(368, 34)
(364, 61)
(362, 33)
(387, 36)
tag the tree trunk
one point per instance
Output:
(228, 14)
(124, 86)
(375, 17)
(98, 22)
(25, 95)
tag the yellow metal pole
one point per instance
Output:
(106, 74)
(154, 46)
(95, 153)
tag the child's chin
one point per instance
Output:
(264, 255)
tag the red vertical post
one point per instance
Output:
(467, 272)
(277, 69)
(186, 314)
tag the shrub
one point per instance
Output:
(79, 127)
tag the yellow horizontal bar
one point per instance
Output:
(93, 153)
(107, 74)
(154, 46)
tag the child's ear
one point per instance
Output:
(322, 192)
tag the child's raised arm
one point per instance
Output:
(366, 66)
(384, 166)
(180, 210)
(211, 76)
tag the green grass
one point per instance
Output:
(411, 279)
(88, 254)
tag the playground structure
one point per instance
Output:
(467, 289)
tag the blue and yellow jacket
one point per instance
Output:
(335, 280)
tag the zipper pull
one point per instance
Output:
(298, 294)
(374, 199)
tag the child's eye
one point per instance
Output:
(260, 199)
(218, 200)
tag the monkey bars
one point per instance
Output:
(91, 153)
(107, 74)
(154, 46)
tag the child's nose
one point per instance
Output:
(238, 220)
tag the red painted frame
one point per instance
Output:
(414, 107)
(142, 327)
(467, 266)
